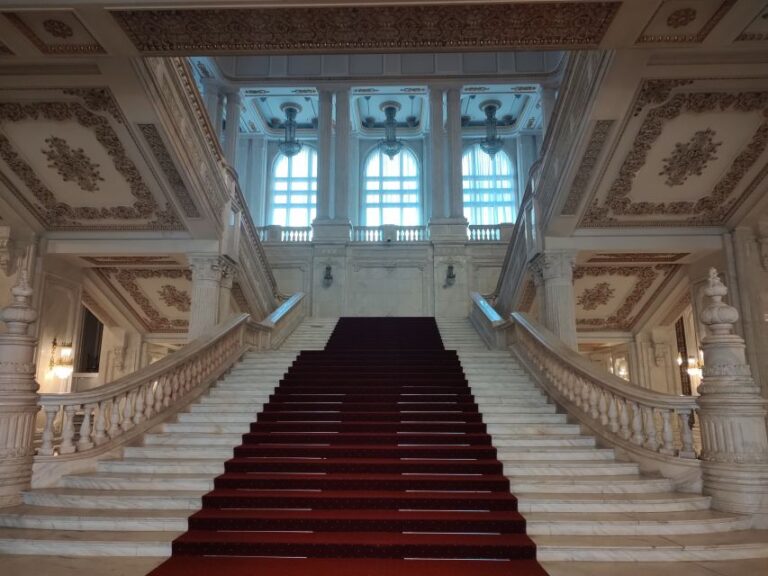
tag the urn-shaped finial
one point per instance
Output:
(718, 316)
(18, 315)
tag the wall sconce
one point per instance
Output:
(63, 365)
(450, 276)
(695, 365)
(327, 277)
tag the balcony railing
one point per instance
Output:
(275, 233)
(484, 232)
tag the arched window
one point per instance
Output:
(490, 193)
(294, 188)
(391, 189)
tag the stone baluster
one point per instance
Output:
(68, 430)
(168, 384)
(126, 423)
(613, 414)
(667, 436)
(733, 415)
(138, 406)
(50, 412)
(114, 418)
(637, 424)
(159, 394)
(686, 438)
(18, 390)
(649, 419)
(593, 397)
(84, 440)
(149, 400)
(603, 409)
(624, 430)
(100, 424)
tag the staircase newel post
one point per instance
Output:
(733, 415)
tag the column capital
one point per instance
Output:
(206, 267)
(551, 265)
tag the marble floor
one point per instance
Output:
(112, 566)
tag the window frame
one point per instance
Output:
(416, 179)
(272, 191)
(498, 205)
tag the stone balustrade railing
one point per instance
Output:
(484, 232)
(651, 421)
(85, 424)
(389, 233)
(275, 233)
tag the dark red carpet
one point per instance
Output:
(371, 459)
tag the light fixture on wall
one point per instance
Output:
(491, 144)
(450, 276)
(290, 146)
(390, 146)
(327, 277)
(696, 365)
(62, 360)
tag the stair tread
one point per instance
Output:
(738, 538)
(85, 535)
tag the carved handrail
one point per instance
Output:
(275, 328)
(650, 421)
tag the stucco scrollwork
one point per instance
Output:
(57, 28)
(586, 168)
(175, 298)
(98, 100)
(681, 17)
(690, 158)
(72, 164)
(598, 295)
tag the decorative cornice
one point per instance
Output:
(711, 209)
(683, 17)
(131, 260)
(626, 257)
(58, 215)
(156, 144)
(487, 26)
(98, 100)
(55, 48)
(587, 166)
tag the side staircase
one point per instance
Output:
(137, 504)
(580, 502)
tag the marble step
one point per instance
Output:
(45, 518)
(86, 543)
(625, 524)
(221, 395)
(509, 398)
(181, 451)
(631, 503)
(172, 439)
(557, 454)
(205, 427)
(517, 418)
(217, 417)
(617, 484)
(204, 466)
(62, 497)
(516, 469)
(149, 480)
(228, 407)
(551, 440)
(527, 428)
(721, 546)
(518, 408)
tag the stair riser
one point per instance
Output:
(517, 469)
(168, 501)
(572, 485)
(713, 553)
(132, 484)
(609, 507)
(212, 466)
(101, 524)
(556, 456)
(618, 528)
(67, 547)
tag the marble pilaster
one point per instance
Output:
(206, 284)
(455, 198)
(324, 157)
(342, 157)
(552, 272)
(436, 142)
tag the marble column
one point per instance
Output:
(553, 274)
(734, 455)
(324, 156)
(233, 127)
(18, 394)
(435, 142)
(548, 97)
(206, 284)
(341, 163)
(228, 275)
(455, 191)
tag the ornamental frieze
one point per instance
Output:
(72, 164)
(54, 214)
(598, 295)
(175, 298)
(690, 158)
(479, 26)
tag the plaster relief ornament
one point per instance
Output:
(681, 17)
(72, 164)
(175, 298)
(599, 295)
(58, 29)
(691, 158)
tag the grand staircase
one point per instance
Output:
(580, 502)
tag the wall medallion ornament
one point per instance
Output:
(363, 28)
(598, 295)
(681, 17)
(175, 298)
(690, 158)
(72, 164)
(58, 29)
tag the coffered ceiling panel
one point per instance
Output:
(690, 154)
(69, 158)
(614, 297)
(55, 31)
(158, 298)
(685, 20)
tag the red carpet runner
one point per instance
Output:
(370, 459)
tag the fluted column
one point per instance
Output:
(436, 142)
(233, 127)
(206, 284)
(18, 394)
(324, 157)
(553, 274)
(342, 156)
(455, 199)
(732, 415)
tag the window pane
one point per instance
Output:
(396, 176)
(410, 216)
(372, 217)
(290, 183)
(299, 217)
(391, 216)
(278, 216)
(489, 186)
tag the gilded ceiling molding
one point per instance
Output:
(629, 257)
(586, 168)
(175, 298)
(486, 26)
(656, 92)
(150, 318)
(56, 29)
(690, 158)
(625, 315)
(72, 164)
(682, 18)
(598, 295)
(98, 100)
(56, 215)
(710, 210)
(156, 144)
